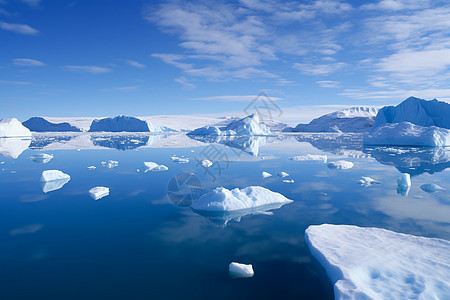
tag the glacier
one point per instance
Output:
(375, 263)
(40, 124)
(13, 128)
(222, 199)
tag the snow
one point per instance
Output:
(374, 263)
(206, 163)
(154, 167)
(408, 134)
(307, 157)
(340, 164)
(99, 192)
(431, 187)
(416, 111)
(41, 158)
(119, 124)
(266, 175)
(180, 160)
(355, 119)
(13, 128)
(52, 180)
(13, 147)
(283, 174)
(222, 199)
(238, 270)
(40, 124)
(110, 164)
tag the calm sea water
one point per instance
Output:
(144, 242)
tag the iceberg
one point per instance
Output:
(92, 167)
(367, 181)
(206, 130)
(206, 163)
(355, 119)
(237, 270)
(52, 180)
(154, 167)
(41, 158)
(308, 157)
(265, 174)
(222, 199)
(282, 174)
(431, 187)
(180, 160)
(40, 124)
(288, 180)
(340, 164)
(375, 263)
(119, 124)
(13, 128)
(13, 147)
(404, 181)
(98, 192)
(408, 134)
(110, 164)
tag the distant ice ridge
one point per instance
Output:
(355, 119)
(237, 270)
(374, 263)
(250, 125)
(222, 199)
(13, 128)
(40, 124)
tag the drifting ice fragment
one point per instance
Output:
(237, 270)
(99, 192)
(431, 187)
(206, 163)
(92, 167)
(283, 174)
(340, 164)
(367, 181)
(404, 184)
(110, 164)
(288, 180)
(154, 167)
(265, 174)
(310, 157)
(41, 158)
(180, 160)
(52, 180)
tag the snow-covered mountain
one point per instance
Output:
(355, 119)
(40, 124)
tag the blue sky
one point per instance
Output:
(103, 58)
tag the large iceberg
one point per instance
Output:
(119, 124)
(13, 128)
(355, 119)
(52, 180)
(222, 199)
(374, 263)
(39, 124)
(408, 134)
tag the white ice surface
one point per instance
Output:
(13, 128)
(282, 174)
(238, 270)
(206, 163)
(99, 192)
(340, 164)
(374, 263)
(266, 174)
(154, 167)
(180, 160)
(222, 199)
(367, 181)
(110, 164)
(50, 175)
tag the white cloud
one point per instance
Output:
(26, 62)
(328, 84)
(233, 98)
(319, 69)
(32, 3)
(121, 89)
(88, 69)
(398, 94)
(134, 63)
(15, 82)
(185, 83)
(19, 28)
(397, 4)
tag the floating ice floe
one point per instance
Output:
(92, 167)
(431, 187)
(154, 167)
(288, 180)
(308, 157)
(367, 181)
(374, 263)
(282, 174)
(340, 164)
(41, 158)
(206, 163)
(52, 180)
(222, 199)
(237, 270)
(110, 164)
(404, 184)
(180, 160)
(13, 128)
(266, 174)
(99, 192)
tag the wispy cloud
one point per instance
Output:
(19, 28)
(121, 89)
(134, 63)
(319, 69)
(398, 94)
(328, 84)
(27, 62)
(185, 83)
(233, 98)
(396, 5)
(15, 82)
(88, 69)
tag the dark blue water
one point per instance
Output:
(137, 243)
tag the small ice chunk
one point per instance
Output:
(238, 270)
(404, 180)
(180, 160)
(431, 187)
(265, 174)
(288, 180)
(91, 167)
(99, 192)
(154, 167)
(110, 164)
(206, 163)
(340, 164)
(367, 181)
(41, 158)
(283, 174)
(50, 175)
(313, 157)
